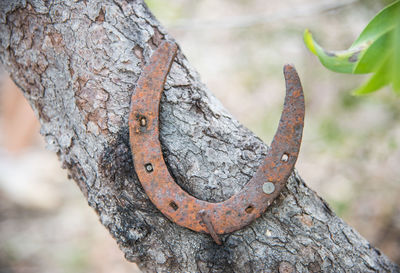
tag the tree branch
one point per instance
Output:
(77, 64)
(262, 19)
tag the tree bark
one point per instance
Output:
(77, 63)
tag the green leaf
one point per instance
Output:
(378, 80)
(337, 61)
(374, 55)
(385, 21)
(396, 61)
(376, 50)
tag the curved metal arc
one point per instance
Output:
(179, 206)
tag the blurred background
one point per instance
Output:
(350, 153)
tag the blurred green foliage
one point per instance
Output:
(76, 259)
(340, 207)
(331, 131)
(171, 10)
(376, 50)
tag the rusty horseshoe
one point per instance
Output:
(176, 204)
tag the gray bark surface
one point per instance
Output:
(77, 63)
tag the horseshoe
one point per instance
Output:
(176, 204)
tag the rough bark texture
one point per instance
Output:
(77, 63)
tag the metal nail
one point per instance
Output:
(268, 187)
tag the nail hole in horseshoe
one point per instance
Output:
(249, 209)
(143, 121)
(148, 167)
(285, 157)
(173, 205)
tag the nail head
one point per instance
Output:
(149, 167)
(268, 187)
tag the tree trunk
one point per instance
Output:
(77, 63)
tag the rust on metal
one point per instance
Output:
(178, 205)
